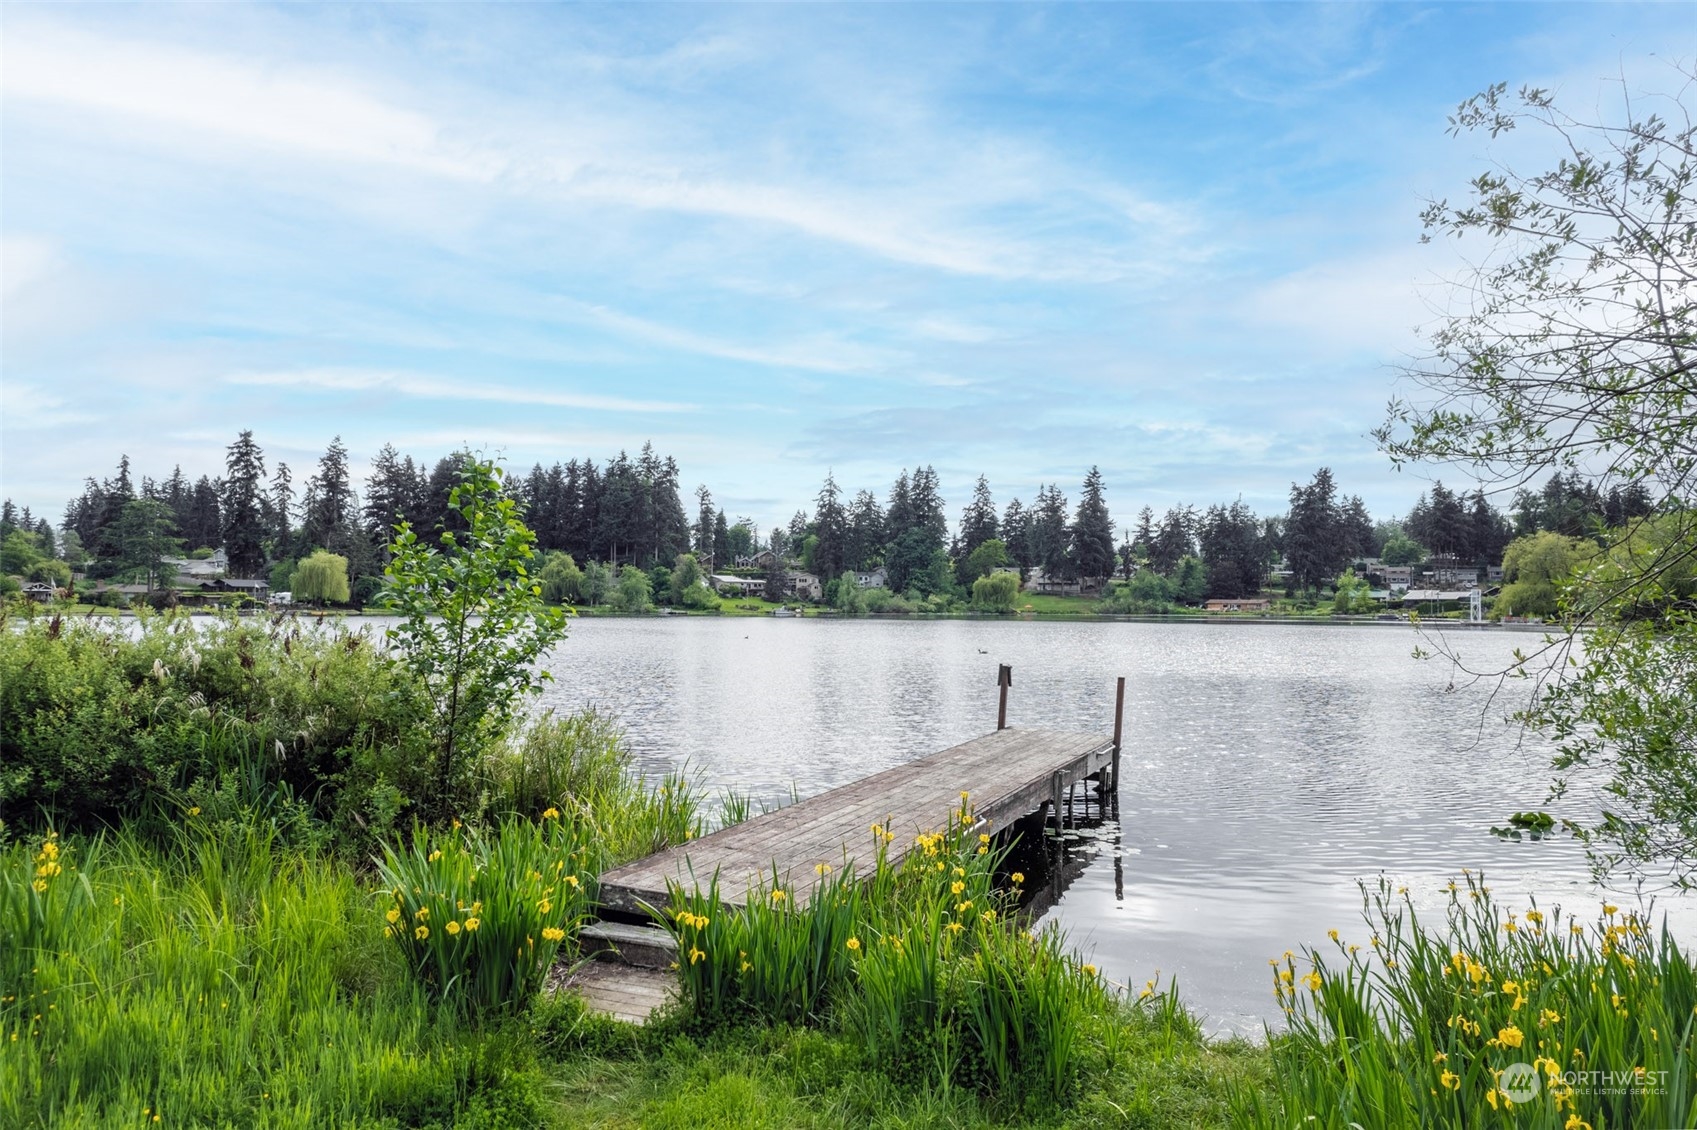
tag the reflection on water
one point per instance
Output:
(1267, 767)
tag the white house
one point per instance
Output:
(740, 586)
(871, 578)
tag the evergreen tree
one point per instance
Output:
(1047, 535)
(142, 537)
(205, 520)
(282, 511)
(1488, 531)
(115, 494)
(704, 523)
(177, 493)
(44, 536)
(978, 521)
(925, 492)
(1174, 540)
(1357, 528)
(1234, 552)
(1440, 523)
(898, 513)
(1093, 532)
(866, 535)
(616, 532)
(1144, 538)
(1016, 535)
(388, 491)
(242, 517)
(671, 525)
(831, 528)
(1315, 544)
(329, 510)
(722, 556)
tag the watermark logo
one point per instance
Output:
(1520, 1082)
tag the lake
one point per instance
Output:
(1267, 767)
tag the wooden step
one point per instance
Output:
(624, 992)
(646, 947)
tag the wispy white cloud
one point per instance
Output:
(826, 354)
(272, 106)
(27, 407)
(201, 102)
(437, 388)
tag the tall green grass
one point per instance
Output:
(921, 961)
(581, 765)
(222, 980)
(479, 917)
(1496, 1017)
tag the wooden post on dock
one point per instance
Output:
(1119, 723)
(1004, 680)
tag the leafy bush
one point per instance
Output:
(883, 600)
(997, 592)
(100, 718)
(1146, 593)
(479, 918)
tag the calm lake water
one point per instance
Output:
(1267, 767)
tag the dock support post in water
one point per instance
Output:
(1004, 680)
(1119, 723)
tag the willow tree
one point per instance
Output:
(1570, 347)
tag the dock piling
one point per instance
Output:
(1004, 680)
(1119, 724)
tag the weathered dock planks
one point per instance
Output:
(1006, 774)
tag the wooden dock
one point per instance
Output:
(1006, 774)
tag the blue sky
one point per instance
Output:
(1179, 241)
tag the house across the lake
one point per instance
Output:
(738, 586)
(198, 568)
(1238, 604)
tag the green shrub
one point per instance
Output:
(998, 592)
(479, 918)
(98, 719)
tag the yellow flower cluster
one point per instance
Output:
(695, 921)
(553, 934)
(47, 864)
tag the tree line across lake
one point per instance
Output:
(630, 512)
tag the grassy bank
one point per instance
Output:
(221, 904)
(209, 979)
